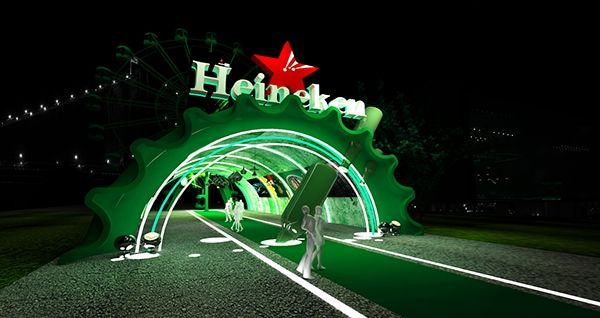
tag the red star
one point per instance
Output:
(284, 70)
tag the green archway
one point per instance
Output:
(280, 140)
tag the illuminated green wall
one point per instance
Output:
(118, 208)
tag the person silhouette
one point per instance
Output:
(308, 224)
(238, 212)
(319, 240)
(228, 210)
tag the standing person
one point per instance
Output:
(318, 237)
(308, 224)
(228, 210)
(238, 212)
(242, 206)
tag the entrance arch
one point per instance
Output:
(282, 138)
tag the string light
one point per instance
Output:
(43, 108)
(88, 167)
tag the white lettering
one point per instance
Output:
(241, 87)
(311, 98)
(303, 95)
(259, 88)
(277, 94)
(317, 102)
(220, 81)
(339, 103)
(355, 109)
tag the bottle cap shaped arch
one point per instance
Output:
(278, 141)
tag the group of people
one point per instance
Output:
(234, 211)
(313, 225)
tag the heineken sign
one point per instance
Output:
(286, 77)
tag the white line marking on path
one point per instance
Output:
(455, 269)
(337, 304)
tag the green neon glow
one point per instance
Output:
(287, 188)
(127, 204)
(273, 195)
(245, 194)
(247, 189)
(194, 181)
(162, 206)
(244, 186)
(164, 227)
(218, 150)
(265, 146)
(269, 200)
(273, 206)
(277, 208)
(198, 94)
(278, 201)
(360, 188)
(369, 209)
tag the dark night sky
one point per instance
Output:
(448, 58)
(490, 52)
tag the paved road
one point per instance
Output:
(219, 283)
(223, 283)
(568, 273)
(416, 290)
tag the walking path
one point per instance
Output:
(239, 278)
(415, 290)
(220, 282)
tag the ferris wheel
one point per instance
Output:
(147, 92)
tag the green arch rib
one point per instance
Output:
(117, 208)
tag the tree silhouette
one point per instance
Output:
(424, 150)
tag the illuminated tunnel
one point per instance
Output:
(277, 143)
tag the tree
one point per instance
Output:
(424, 151)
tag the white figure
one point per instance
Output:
(229, 210)
(238, 213)
(308, 224)
(318, 237)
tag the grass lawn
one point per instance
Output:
(32, 238)
(569, 238)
